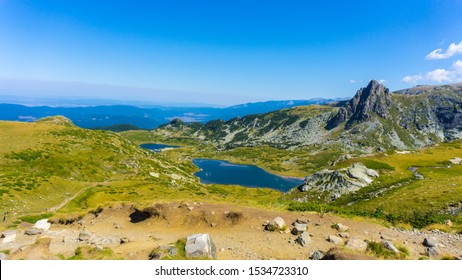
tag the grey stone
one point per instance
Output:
(356, 244)
(430, 242)
(342, 228)
(163, 251)
(124, 240)
(84, 235)
(2, 256)
(335, 239)
(298, 228)
(432, 252)
(280, 223)
(277, 224)
(390, 246)
(344, 234)
(303, 239)
(33, 231)
(317, 255)
(200, 245)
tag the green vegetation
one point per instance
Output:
(379, 250)
(92, 253)
(32, 219)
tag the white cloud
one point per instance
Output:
(412, 79)
(439, 75)
(453, 75)
(353, 81)
(382, 81)
(452, 50)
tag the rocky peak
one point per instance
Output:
(375, 98)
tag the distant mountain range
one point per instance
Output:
(374, 119)
(120, 117)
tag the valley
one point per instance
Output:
(385, 164)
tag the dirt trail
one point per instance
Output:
(242, 238)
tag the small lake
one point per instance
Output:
(157, 147)
(227, 173)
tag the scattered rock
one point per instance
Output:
(344, 235)
(162, 251)
(299, 228)
(432, 252)
(124, 240)
(200, 245)
(303, 239)
(430, 242)
(280, 223)
(2, 256)
(300, 221)
(33, 231)
(277, 224)
(456, 160)
(84, 235)
(42, 224)
(390, 246)
(317, 255)
(448, 223)
(213, 224)
(190, 208)
(335, 239)
(356, 244)
(8, 236)
(341, 228)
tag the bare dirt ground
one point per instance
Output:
(240, 238)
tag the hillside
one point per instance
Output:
(373, 120)
(148, 117)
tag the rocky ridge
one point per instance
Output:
(341, 181)
(374, 119)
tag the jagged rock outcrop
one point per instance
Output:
(341, 181)
(374, 98)
(373, 120)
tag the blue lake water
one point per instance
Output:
(227, 173)
(156, 147)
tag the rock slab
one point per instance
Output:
(200, 245)
(303, 239)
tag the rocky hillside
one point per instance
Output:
(374, 119)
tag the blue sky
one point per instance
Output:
(225, 52)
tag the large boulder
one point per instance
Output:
(430, 242)
(341, 181)
(200, 245)
(303, 239)
(42, 224)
